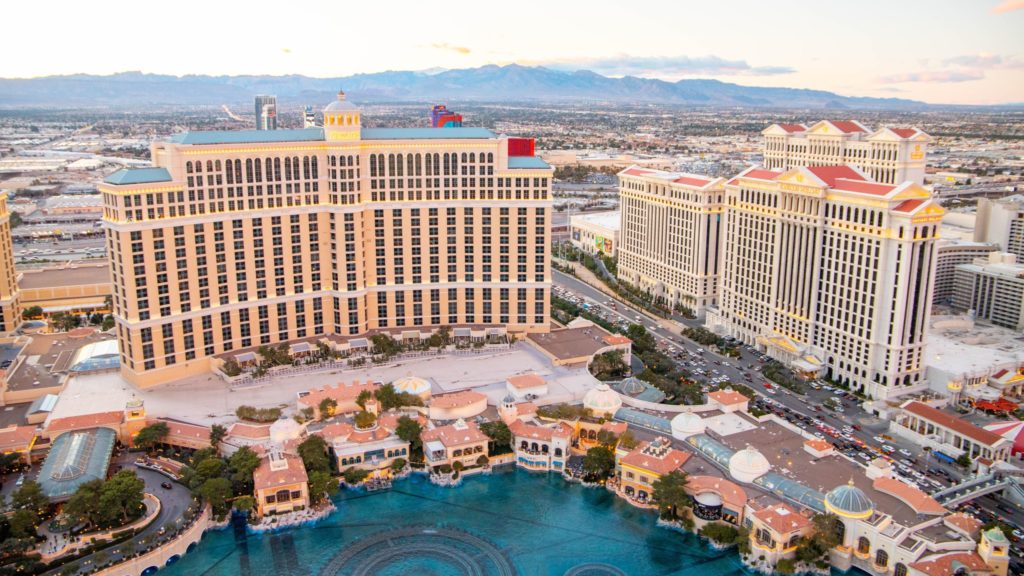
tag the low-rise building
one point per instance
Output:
(541, 447)
(638, 469)
(280, 484)
(455, 405)
(19, 440)
(374, 449)
(344, 395)
(459, 442)
(947, 435)
(775, 529)
(526, 386)
(596, 233)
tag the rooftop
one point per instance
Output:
(76, 274)
(266, 477)
(126, 176)
(524, 162)
(200, 138)
(958, 425)
(452, 133)
(74, 459)
(458, 434)
(570, 343)
(456, 399)
(611, 220)
(781, 518)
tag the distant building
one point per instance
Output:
(266, 112)
(442, 117)
(993, 289)
(10, 311)
(831, 273)
(886, 155)
(597, 232)
(949, 255)
(669, 236)
(1001, 222)
(309, 118)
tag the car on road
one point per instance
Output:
(906, 452)
(888, 449)
(166, 485)
(878, 439)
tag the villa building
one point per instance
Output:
(526, 386)
(830, 273)
(235, 240)
(887, 155)
(455, 405)
(637, 470)
(775, 529)
(280, 484)
(344, 395)
(541, 447)
(373, 449)
(459, 442)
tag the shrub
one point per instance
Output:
(253, 414)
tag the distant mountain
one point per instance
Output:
(487, 84)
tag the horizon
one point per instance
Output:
(953, 53)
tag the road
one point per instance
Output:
(667, 332)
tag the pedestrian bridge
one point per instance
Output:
(977, 487)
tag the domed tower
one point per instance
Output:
(994, 550)
(848, 501)
(508, 410)
(342, 120)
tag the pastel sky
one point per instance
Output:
(942, 51)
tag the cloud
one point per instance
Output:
(626, 65)
(446, 46)
(987, 61)
(1008, 6)
(935, 76)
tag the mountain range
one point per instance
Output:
(484, 84)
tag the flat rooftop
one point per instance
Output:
(78, 274)
(611, 220)
(48, 356)
(568, 343)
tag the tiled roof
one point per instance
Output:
(265, 478)
(16, 438)
(947, 564)
(126, 176)
(916, 499)
(339, 393)
(672, 460)
(904, 132)
(848, 126)
(964, 522)
(862, 187)
(184, 430)
(727, 397)
(522, 381)
(251, 431)
(452, 133)
(909, 206)
(616, 339)
(456, 399)
(636, 172)
(958, 425)
(733, 496)
(761, 174)
(829, 174)
(691, 181)
(781, 518)
(818, 444)
(793, 127)
(545, 433)
(113, 418)
(452, 436)
(247, 136)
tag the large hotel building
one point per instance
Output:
(668, 239)
(831, 272)
(240, 239)
(886, 155)
(10, 313)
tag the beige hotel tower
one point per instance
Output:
(10, 314)
(240, 239)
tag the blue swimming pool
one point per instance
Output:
(511, 522)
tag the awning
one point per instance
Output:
(435, 446)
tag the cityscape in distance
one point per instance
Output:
(548, 291)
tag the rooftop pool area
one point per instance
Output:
(509, 522)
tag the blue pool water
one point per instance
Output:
(511, 522)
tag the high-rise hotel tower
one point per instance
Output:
(886, 155)
(10, 313)
(240, 239)
(830, 272)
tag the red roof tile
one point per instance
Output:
(829, 174)
(636, 172)
(16, 438)
(761, 174)
(916, 499)
(452, 436)
(672, 459)
(727, 397)
(793, 127)
(958, 425)
(781, 518)
(909, 206)
(904, 132)
(691, 181)
(862, 187)
(85, 421)
(947, 564)
(847, 126)
(264, 477)
(523, 381)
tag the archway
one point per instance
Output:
(863, 545)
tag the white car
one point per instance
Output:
(888, 449)
(878, 439)
(906, 452)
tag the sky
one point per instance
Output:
(940, 51)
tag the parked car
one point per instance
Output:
(888, 449)
(906, 452)
(166, 485)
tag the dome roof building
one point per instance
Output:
(632, 386)
(602, 400)
(848, 501)
(413, 385)
(748, 464)
(284, 430)
(687, 424)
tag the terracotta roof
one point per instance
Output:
(390, 420)
(964, 522)
(16, 438)
(727, 397)
(781, 518)
(959, 426)
(1001, 373)
(451, 436)
(546, 433)
(252, 431)
(184, 430)
(916, 499)
(526, 381)
(818, 444)
(672, 460)
(264, 478)
(862, 187)
(457, 399)
(733, 496)
(829, 174)
(616, 428)
(904, 132)
(334, 430)
(848, 126)
(338, 393)
(691, 181)
(636, 172)
(909, 206)
(792, 127)
(525, 408)
(361, 436)
(615, 339)
(947, 564)
(761, 174)
(113, 418)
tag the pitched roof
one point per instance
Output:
(964, 522)
(616, 339)
(265, 477)
(522, 381)
(521, 429)
(343, 391)
(733, 496)
(640, 457)
(862, 187)
(727, 397)
(958, 425)
(16, 438)
(829, 174)
(454, 434)
(916, 499)
(781, 518)
(792, 127)
(183, 430)
(456, 399)
(126, 176)
(848, 126)
(205, 137)
(251, 431)
(761, 174)
(904, 132)
(113, 418)
(636, 172)
(693, 181)
(947, 564)
(909, 206)
(818, 444)
(526, 162)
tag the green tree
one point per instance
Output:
(482, 460)
(409, 430)
(242, 464)
(826, 530)
(364, 419)
(64, 321)
(108, 322)
(607, 438)
(32, 312)
(609, 365)
(245, 504)
(30, 496)
(398, 464)
(721, 534)
(628, 440)
(499, 435)
(385, 345)
(670, 493)
(231, 367)
(354, 475)
(210, 468)
(217, 435)
(216, 491)
(121, 498)
(964, 461)
(321, 485)
(313, 451)
(785, 566)
(24, 523)
(83, 506)
(599, 462)
(363, 397)
(151, 435)
(328, 406)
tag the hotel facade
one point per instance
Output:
(886, 155)
(10, 309)
(241, 239)
(830, 272)
(669, 235)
